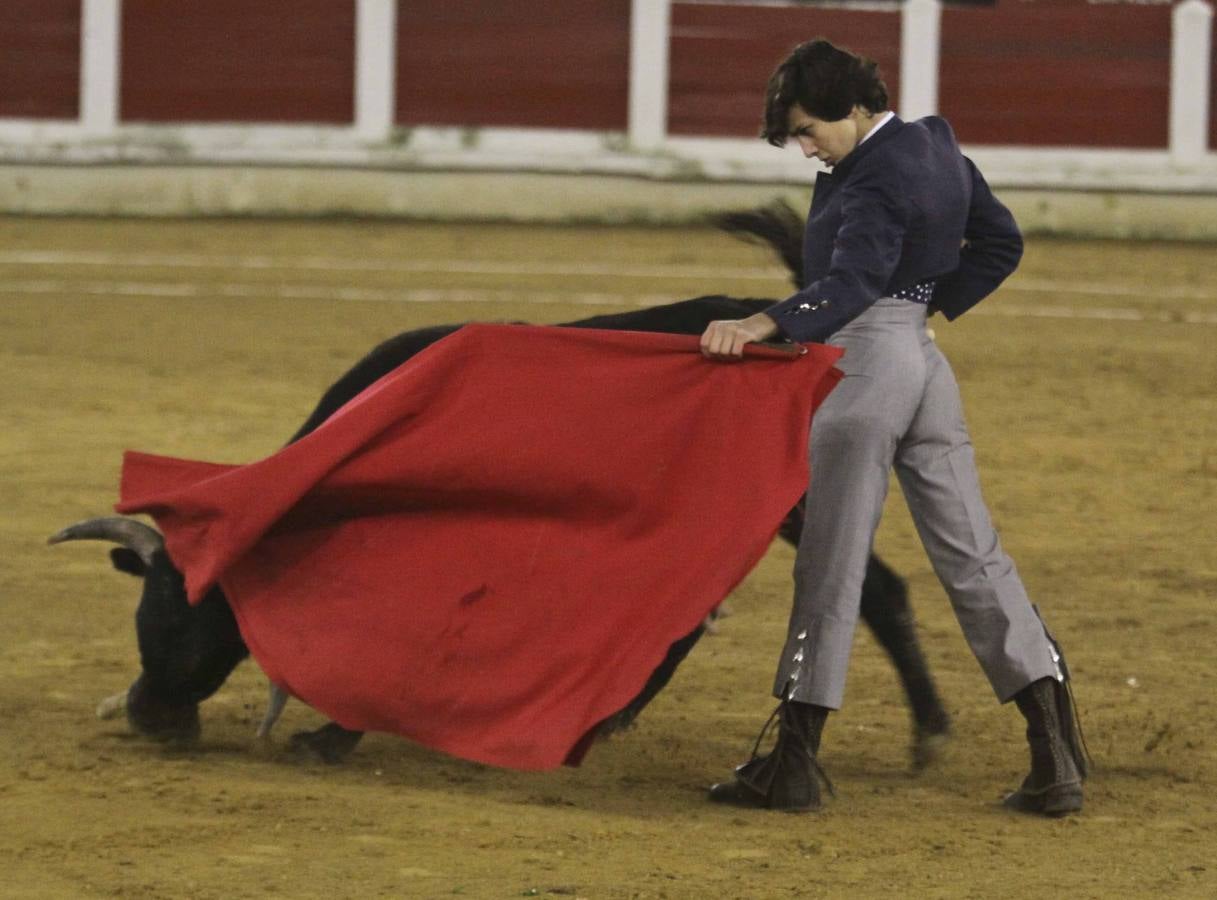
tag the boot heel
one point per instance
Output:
(1063, 799)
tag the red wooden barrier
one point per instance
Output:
(1057, 72)
(40, 59)
(1017, 72)
(238, 61)
(525, 63)
(1213, 88)
(722, 57)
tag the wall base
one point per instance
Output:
(154, 190)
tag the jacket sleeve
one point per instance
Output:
(992, 248)
(866, 250)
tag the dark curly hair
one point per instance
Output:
(826, 81)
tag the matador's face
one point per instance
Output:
(829, 142)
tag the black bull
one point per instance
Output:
(187, 652)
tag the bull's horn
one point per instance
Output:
(131, 533)
(112, 707)
(276, 702)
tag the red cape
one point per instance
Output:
(490, 549)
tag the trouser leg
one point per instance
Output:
(853, 439)
(937, 472)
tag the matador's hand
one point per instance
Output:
(725, 338)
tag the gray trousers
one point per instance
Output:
(899, 405)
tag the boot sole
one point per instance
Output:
(741, 796)
(1054, 801)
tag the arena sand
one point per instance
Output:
(1089, 383)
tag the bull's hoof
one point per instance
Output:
(928, 749)
(330, 744)
(177, 726)
(931, 733)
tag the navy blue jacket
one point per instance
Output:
(904, 206)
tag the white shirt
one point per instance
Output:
(887, 117)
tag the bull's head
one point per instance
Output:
(186, 652)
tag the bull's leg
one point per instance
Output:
(330, 743)
(663, 673)
(886, 611)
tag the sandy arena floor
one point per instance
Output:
(1089, 382)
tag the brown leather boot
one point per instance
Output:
(787, 777)
(1058, 765)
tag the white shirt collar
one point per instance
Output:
(887, 117)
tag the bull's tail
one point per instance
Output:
(775, 225)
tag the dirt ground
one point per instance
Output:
(1089, 382)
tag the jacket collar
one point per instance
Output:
(880, 137)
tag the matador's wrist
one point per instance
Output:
(760, 326)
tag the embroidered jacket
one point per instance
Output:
(904, 207)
